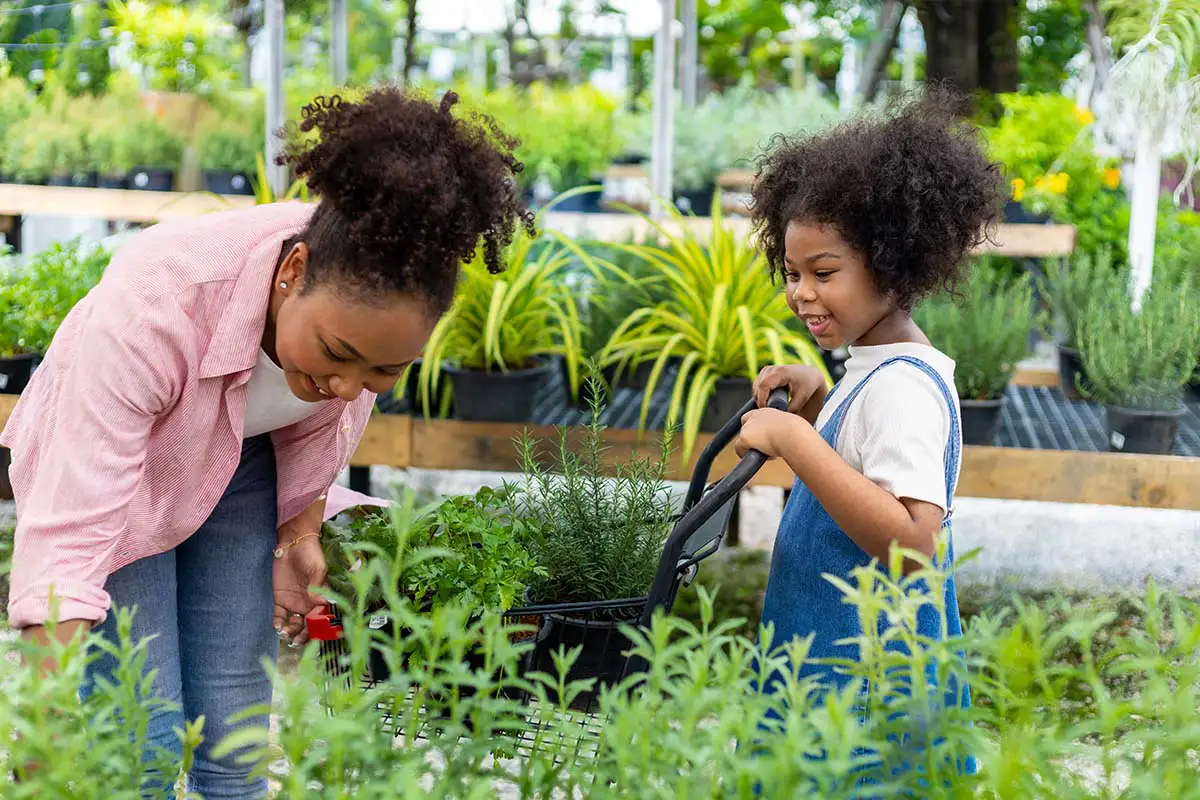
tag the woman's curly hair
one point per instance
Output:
(910, 189)
(407, 190)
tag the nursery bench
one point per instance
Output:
(1011, 473)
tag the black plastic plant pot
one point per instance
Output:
(1132, 430)
(224, 181)
(584, 202)
(15, 372)
(152, 179)
(1018, 214)
(482, 396)
(696, 201)
(602, 655)
(981, 420)
(58, 180)
(1070, 371)
(727, 398)
(112, 181)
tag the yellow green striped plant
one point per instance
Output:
(512, 319)
(725, 318)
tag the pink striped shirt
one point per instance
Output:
(129, 432)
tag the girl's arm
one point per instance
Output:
(870, 515)
(867, 513)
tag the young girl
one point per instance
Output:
(862, 222)
(177, 447)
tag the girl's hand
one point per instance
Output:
(767, 431)
(300, 568)
(805, 384)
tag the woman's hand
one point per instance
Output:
(805, 384)
(300, 568)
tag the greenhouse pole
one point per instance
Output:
(1143, 201)
(339, 49)
(661, 156)
(689, 55)
(276, 173)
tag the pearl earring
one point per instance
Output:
(283, 284)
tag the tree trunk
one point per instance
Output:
(1097, 47)
(952, 42)
(998, 56)
(410, 41)
(883, 47)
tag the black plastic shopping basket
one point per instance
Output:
(595, 626)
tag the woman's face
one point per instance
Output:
(330, 344)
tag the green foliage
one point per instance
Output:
(36, 296)
(1179, 25)
(986, 332)
(1052, 33)
(147, 142)
(1047, 149)
(484, 562)
(1070, 701)
(230, 146)
(1141, 359)
(725, 318)
(500, 322)
(597, 538)
(84, 68)
(566, 134)
(178, 45)
(1072, 285)
(728, 130)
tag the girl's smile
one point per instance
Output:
(829, 286)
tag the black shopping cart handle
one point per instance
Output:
(699, 506)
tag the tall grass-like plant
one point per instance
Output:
(1142, 359)
(985, 331)
(513, 319)
(725, 318)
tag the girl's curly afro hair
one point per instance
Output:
(910, 189)
(407, 190)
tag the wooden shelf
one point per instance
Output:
(138, 206)
(114, 204)
(993, 472)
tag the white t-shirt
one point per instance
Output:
(895, 431)
(270, 404)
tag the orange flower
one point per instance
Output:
(1112, 178)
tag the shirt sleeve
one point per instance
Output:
(902, 434)
(125, 370)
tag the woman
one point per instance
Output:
(176, 448)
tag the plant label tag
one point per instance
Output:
(1117, 439)
(377, 623)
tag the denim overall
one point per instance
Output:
(799, 601)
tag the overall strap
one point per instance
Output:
(953, 444)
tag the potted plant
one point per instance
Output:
(35, 298)
(484, 561)
(1070, 287)
(1138, 362)
(597, 539)
(498, 341)
(107, 154)
(725, 318)
(987, 334)
(153, 150)
(17, 102)
(227, 158)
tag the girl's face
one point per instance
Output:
(330, 345)
(829, 286)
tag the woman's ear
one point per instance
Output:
(291, 271)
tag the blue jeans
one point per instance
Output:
(209, 604)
